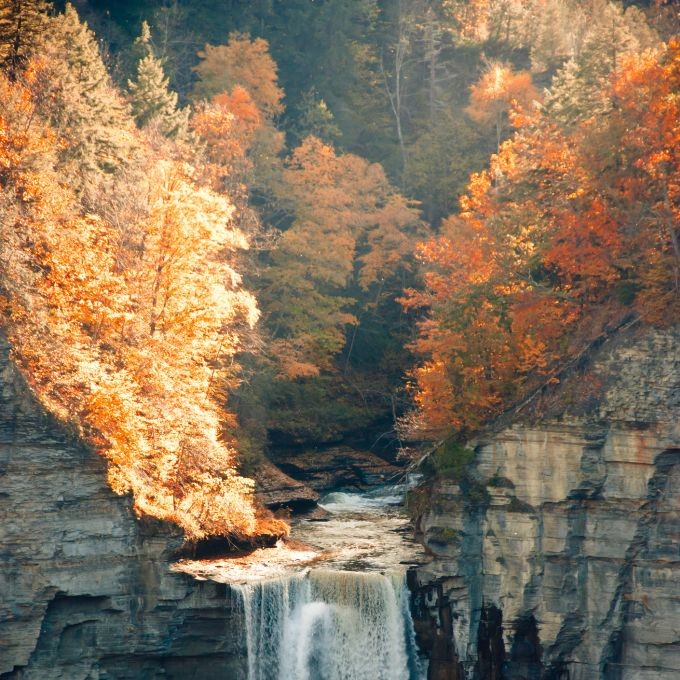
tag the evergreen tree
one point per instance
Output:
(21, 22)
(580, 89)
(440, 162)
(315, 118)
(153, 103)
(549, 39)
(75, 93)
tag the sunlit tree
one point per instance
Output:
(496, 93)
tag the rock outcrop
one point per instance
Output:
(560, 558)
(337, 467)
(276, 489)
(557, 558)
(85, 587)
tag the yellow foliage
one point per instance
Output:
(125, 332)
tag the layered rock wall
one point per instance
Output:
(560, 558)
(85, 588)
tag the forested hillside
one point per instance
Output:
(227, 226)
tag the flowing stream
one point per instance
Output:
(332, 604)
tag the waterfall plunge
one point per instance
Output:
(329, 625)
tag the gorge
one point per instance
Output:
(562, 564)
(339, 340)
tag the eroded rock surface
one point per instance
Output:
(276, 489)
(340, 466)
(85, 589)
(561, 558)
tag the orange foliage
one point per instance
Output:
(350, 227)
(227, 125)
(497, 92)
(126, 333)
(565, 222)
(648, 117)
(242, 62)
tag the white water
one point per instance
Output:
(344, 502)
(334, 604)
(329, 625)
(349, 619)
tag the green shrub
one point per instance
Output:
(448, 460)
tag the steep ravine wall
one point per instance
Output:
(562, 561)
(85, 588)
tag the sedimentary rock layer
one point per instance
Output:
(85, 589)
(560, 557)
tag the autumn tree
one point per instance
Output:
(350, 226)
(581, 88)
(327, 292)
(568, 243)
(227, 126)
(238, 98)
(126, 322)
(496, 93)
(242, 62)
(648, 119)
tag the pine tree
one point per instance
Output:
(21, 22)
(153, 103)
(550, 36)
(315, 118)
(74, 92)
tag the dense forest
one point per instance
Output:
(228, 226)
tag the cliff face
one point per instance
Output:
(85, 588)
(561, 560)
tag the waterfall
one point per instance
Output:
(329, 625)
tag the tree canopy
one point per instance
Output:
(288, 224)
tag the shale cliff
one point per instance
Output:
(85, 588)
(558, 558)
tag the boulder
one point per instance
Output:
(276, 489)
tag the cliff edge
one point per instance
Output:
(85, 587)
(560, 557)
